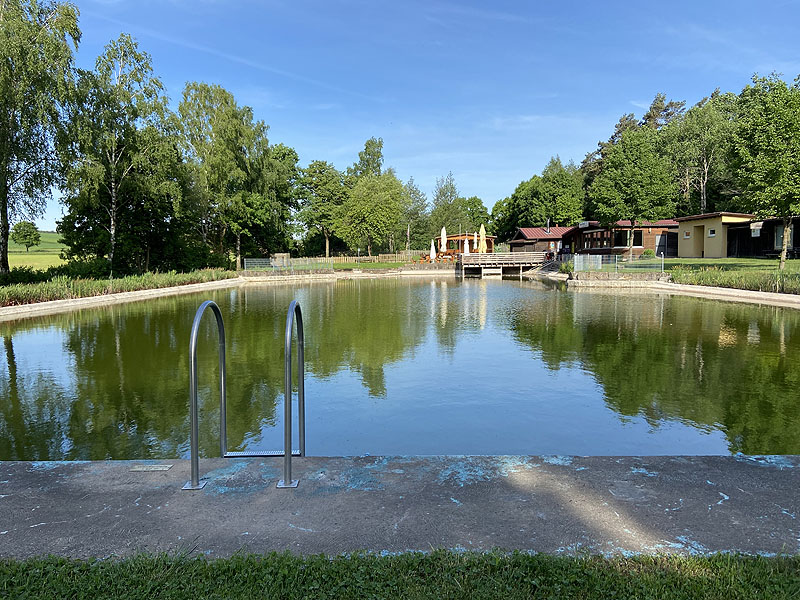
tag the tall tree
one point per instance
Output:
(592, 164)
(370, 160)
(414, 225)
(561, 194)
(323, 192)
(768, 150)
(36, 45)
(661, 113)
(698, 143)
(371, 210)
(635, 184)
(118, 127)
(449, 209)
(244, 184)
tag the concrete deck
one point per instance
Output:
(554, 504)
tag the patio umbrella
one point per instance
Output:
(443, 243)
(466, 245)
(483, 240)
(433, 251)
(475, 242)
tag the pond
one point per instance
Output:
(409, 366)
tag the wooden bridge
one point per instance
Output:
(500, 263)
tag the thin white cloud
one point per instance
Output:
(230, 57)
(640, 104)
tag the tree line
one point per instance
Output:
(729, 152)
(145, 187)
(149, 187)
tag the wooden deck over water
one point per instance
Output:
(498, 263)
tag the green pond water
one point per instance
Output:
(399, 366)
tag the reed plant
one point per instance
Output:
(62, 287)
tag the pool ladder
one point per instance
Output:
(293, 315)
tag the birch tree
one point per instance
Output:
(118, 125)
(36, 45)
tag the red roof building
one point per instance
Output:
(590, 237)
(538, 239)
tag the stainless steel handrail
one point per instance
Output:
(195, 483)
(293, 314)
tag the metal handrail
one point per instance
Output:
(293, 314)
(195, 483)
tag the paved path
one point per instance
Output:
(550, 504)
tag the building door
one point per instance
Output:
(699, 241)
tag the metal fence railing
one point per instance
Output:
(617, 263)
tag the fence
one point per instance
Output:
(616, 263)
(282, 262)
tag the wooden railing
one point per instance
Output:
(503, 258)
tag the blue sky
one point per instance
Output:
(489, 91)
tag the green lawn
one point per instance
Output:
(441, 574)
(757, 274)
(734, 264)
(46, 254)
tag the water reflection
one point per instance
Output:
(711, 364)
(410, 367)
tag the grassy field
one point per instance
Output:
(46, 254)
(441, 574)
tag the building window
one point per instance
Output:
(712, 232)
(687, 235)
(621, 238)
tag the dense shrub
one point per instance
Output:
(566, 267)
(648, 253)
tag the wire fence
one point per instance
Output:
(616, 263)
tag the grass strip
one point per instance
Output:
(65, 288)
(760, 281)
(440, 574)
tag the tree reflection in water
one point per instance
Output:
(113, 383)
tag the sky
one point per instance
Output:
(487, 90)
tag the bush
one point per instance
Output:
(566, 267)
(649, 253)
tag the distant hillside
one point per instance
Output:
(49, 244)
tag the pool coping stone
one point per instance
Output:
(553, 504)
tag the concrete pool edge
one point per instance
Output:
(679, 289)
(24, 311)
(553, 504)
(37, 309)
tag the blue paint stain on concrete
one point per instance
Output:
(457, 503)
(643, 471)
(360, 479)
(469, 470)
(229, 479)
(556, 459)
(689, 545)
(774, 461)
(50, 465)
